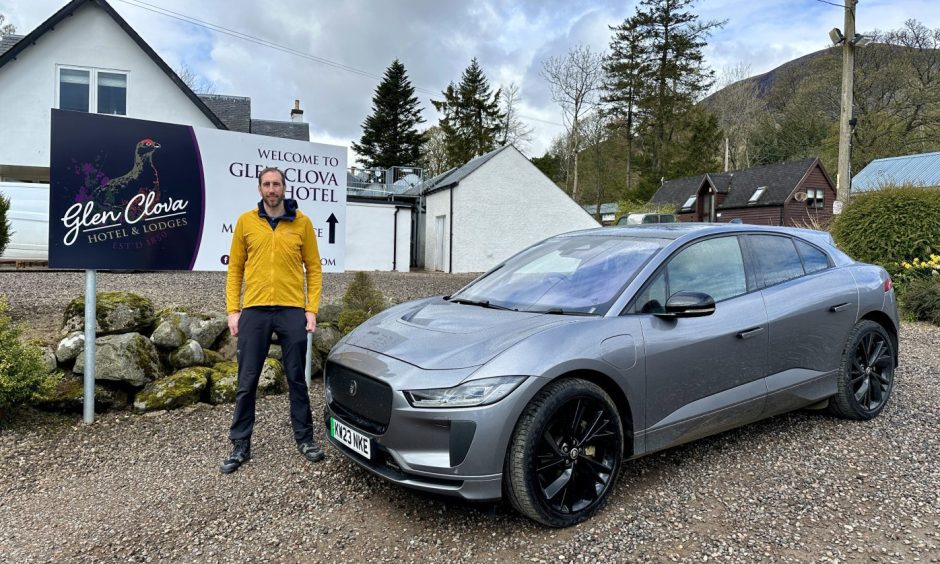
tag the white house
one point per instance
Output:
(497, 204)
(86, 57)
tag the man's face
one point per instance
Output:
(271, 189)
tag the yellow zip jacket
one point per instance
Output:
(272, 262)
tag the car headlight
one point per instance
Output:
(468, 394)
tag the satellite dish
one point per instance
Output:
(800, 196)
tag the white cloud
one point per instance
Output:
(436, 40)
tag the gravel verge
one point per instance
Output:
(795, 488)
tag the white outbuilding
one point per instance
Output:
(481, 213)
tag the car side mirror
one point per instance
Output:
(688, 304)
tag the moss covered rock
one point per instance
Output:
(190, 354)
(324, 338)
(115, 312)
(272, 380)
(70, 347)
(212, 357)
(179, 389)
(329, 313)
(130, 358)
(67, 395)
(223, 383)
(204, 329)
(168, 335)
(227, 346)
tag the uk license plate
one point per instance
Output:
(351, 438)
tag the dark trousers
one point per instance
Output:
(255, 326)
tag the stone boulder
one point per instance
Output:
(70, 347)
(227, 346)
(190, 354)
(49, 361)
(68, 396)
(168, 335)
(115, 312)
(274, 351)
(329, 314)
(204, 329)
(129, 357)
(179, 389)
(325, 338)
(223, 383)
(212, 357)
(316, 363)
(272, 380)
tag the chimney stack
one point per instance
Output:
(297, 115)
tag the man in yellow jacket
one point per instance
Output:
(274, 252)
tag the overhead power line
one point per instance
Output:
(278, 47)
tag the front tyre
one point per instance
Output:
(565, 454)
(866, 375)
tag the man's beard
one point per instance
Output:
(274, 201)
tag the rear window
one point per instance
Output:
(776, 258)
(814, 260)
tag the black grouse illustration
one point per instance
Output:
(142, 178)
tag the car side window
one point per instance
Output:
(776, 259)
(814, 260)
(714, 266)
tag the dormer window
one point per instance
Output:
(689, 203)
(757, 194)
(87, 90)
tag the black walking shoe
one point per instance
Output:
(311, 451)
(241, 453)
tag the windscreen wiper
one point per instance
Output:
(481, 303)
(559, 311)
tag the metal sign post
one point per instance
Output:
(90, 328)
(307, 369)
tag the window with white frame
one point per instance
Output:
(689, 203)
(93, 90)
(757, 194)
(815, 198)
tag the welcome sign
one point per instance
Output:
(144, 195)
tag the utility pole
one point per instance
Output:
(844, 178)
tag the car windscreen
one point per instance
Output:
(564, 275)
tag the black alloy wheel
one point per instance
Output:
(866, 376)
(565, 454)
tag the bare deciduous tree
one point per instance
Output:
(737, 109)
(6, 29)
(434, 152)
(194, 81)
(574, 80)
(514, 130)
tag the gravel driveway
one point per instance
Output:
(796, 488)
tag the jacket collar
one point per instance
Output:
(290, 210)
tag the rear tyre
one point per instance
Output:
(565, 454)
(866, 375)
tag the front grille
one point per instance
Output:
(363, 401)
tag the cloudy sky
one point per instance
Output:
(344, 47)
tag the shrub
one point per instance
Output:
(349, 319)
(890, 226)
(922, 299)
(361, 301)
(22, 375)
(362, 294)
(637, 206)
(5, 231)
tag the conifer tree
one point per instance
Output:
(472, 118)
(389, 135)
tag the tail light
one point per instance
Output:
(888, 285)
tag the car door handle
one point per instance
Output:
(750, 333)
(839, 307)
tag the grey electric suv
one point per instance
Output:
(535, 381)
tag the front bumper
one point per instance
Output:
(457, 452)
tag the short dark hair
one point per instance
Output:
(272, 169)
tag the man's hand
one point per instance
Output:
(311, 321)
(233, 322)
